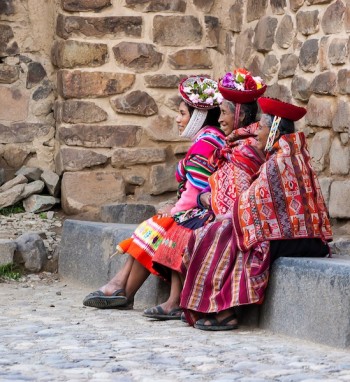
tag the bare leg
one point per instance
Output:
(120, 279)
(137, 276)
(173, 300)
(126, 283)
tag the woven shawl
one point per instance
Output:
(285, 201)
(237, 163)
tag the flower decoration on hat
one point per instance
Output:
(240, 86)
(200, 92)
(241, 79)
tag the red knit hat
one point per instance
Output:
(281, 109)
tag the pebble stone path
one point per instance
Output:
(48, 225)
(47, 335)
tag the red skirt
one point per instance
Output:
(146, 239)
(217, 275)
(168, 256)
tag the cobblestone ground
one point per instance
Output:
(47, 335)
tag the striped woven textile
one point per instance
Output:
(146, 240)
(217, 275)
(233, 176)
(195, 167)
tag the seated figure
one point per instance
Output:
(197, 120)
(237, 162)
(282, 213)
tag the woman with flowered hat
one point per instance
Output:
(237, 162)
(282, 213)
(198, 121)
(240, 159)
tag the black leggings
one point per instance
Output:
(298, 248)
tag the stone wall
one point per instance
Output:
(119, 66)
(301, 49)
(27, 126)
(116, 67)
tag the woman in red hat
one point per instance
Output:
(197, 120)
(281, 213)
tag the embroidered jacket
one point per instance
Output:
(193, 170)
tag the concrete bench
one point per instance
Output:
(85, 253)
(307, 298)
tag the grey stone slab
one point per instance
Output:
(309, 298)
(7, 250)
(127, 213)
(85, 258)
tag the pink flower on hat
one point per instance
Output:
(194, 98)
(201, 92)
(209, 101)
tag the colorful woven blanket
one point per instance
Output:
(285, 201)
(234, 176)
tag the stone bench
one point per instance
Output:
(85, 253)
(306, 298)
(309, 298)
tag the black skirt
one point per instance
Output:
(298, 248)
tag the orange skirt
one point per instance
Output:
(146, 239)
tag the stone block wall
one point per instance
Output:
(113, 75)
(118, 68)
(301, 49)
(27, 126)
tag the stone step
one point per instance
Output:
(309, 298)
(126, 213)
(85, 253)
(7, 250)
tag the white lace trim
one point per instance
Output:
(195, 123)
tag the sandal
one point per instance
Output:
(99, 300)
(183, 318)
(216, 325)
(158, 313)
(128, 306)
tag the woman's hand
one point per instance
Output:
(165, 210)
(205, 199)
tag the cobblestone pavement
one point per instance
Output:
(47, 335)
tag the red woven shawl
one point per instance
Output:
(285, 201)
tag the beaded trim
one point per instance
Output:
(195, 123)
(237, 114)
(272, 133)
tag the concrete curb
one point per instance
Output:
(85, 258)
(309, 298)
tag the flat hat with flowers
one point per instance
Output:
(240, 86)
(202, 94)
